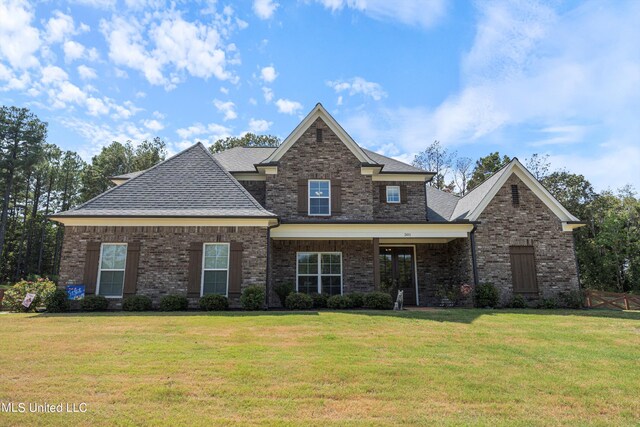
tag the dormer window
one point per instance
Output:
(319, 197)
(393, 194)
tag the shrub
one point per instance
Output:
(548, 303)
(214, 302)
(518, 301)
(42, 288)
(58, 302)
(339, 302)
(298, 301)
(571, 299)
(252, 298)
(174, 303)
(378, 301)
(319, 300)
(356, 300)
(137, 303)
(487, 295)
(283, 289)
(95, 303)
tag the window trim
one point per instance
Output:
(319, 274)
(316, 197)
(204, 251)
(399, 194)
(124, 269)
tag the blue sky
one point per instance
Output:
(559, 78)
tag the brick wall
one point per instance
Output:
(413, 210)
(257, 189)
(164, 255)
(447, 264)
(357, 262)
(531, 223)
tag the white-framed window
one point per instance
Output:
(215, 269)
(113, 261)
(319, 272)
(393, 194)
(319, 197)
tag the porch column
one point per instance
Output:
(376, 263)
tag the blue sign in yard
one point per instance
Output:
(75, 292)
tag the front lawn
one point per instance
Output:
(434, 367)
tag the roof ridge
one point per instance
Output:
(489, 177)
(235, 181)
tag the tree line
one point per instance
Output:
(39, 178)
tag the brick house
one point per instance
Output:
(322, 213)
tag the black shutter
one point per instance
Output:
(195, 270)
(303, 196)
(131, 269)
(336, 196)
(91, 262)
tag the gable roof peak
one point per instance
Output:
(319, 112)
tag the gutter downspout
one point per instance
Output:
(268, 284)
(474, 263)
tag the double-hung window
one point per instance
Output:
(113, 259)
(319, 272)
(215, 269)
(319, 197)
(393, 194)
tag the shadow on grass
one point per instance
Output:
(456, 315)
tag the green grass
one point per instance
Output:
(443, 367)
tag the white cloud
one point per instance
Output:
(264, 9)
(86, 73)
(572, 77)
(358, 85)
(73, 50)
(100, 4)
(172, 43)
(59, 27)
(205, 133)
(411, 12)
(227, 108)
(19, 41)
(287, 106)
(268, 94)
(153, 125)
(224, 90)
(268, 74)
(259, 125)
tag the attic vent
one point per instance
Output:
(515, 195)
(318, 135)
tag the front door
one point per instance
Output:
(396, 272)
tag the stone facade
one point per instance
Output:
(413, 210)
(531, 223)
(357, 262)
(164, 255)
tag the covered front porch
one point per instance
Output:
(419, 259)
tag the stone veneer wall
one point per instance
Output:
(531, 223)
(330, 159)
(357, 262)
(257, 189)
(446, 264)
(413, 210)
(164, 255)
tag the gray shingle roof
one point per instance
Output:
(440, 204)
(243, 159)
(126, 175)
(471, 200)
(191, 183)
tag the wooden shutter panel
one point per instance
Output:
(303, 196)
(131, 268)
(195, 270)
(336, 196)
(523, 269)
(383, 194)
(403, 194)
(235, 268)
(91, 262)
